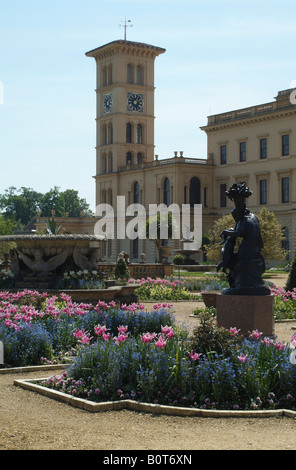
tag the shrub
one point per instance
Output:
(208, 338)
(121, 270)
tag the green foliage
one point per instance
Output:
(52, 228)
(271, 234)
(121, 270)
(209, 338)
(291, 281)
(178, 260)
(21, 205)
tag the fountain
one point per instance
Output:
(37, 261)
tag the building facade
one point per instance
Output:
(256, 145)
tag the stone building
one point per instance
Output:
(256, 145)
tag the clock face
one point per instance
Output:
(135, 102)
(107, 102)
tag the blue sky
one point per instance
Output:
(220, 55)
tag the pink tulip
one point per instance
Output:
(242, 358)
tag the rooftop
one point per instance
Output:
(282, 101)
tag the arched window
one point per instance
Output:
(104, 164)
(139, 158)
(136, 193)
(129, 158)
(110, 163)
(130, 73)
(110, 133)
(194, 191)
(105, 76)
(104, 134)
(110, 72)
(166, 192)
(140, 75)
(139, 134)
(128, 132)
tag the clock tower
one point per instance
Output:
(125, 112)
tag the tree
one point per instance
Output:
(271, 234)
(7, 227)
(22, 205)
(161, 223)
(291, 281)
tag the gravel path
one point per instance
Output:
(29, 421)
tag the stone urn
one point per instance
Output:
(165, 252)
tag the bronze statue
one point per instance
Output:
(244, 267)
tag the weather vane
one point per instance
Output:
(125, 25)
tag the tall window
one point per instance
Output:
(205, 197)
(285, 145)
(139, 134)
(129, 158)
(140, 75)
(110, 133)
(166, 192)
(136, 193)
(128, 132)
(263, 148)
(139, 158)
(130, 73)
(110, 163)
(285, 189)
(194, 191)
(223, 195)
(223, 151)
(242, 151)
(263, 191)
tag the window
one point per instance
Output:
(223, 195)
(130, 73)
(110, 134)
(194, 191)
(223, 155)
(139, 158)
(263, 191)
(166, 192)
(129, 158)
(242, 151)
(263, 148)
(110, 75)
(286, 241)
(285, 145)
(104, 164)
(129, 133)
(135, 248)
(136, 193)
(139, 75)
(139, 134)
(110, 163)
(285, 189)
(205, 198)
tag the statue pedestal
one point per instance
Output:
(246, 313)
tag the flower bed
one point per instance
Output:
(284, 303)
(36, 328)
(123, 353)
(161, 369)
(161, 289)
